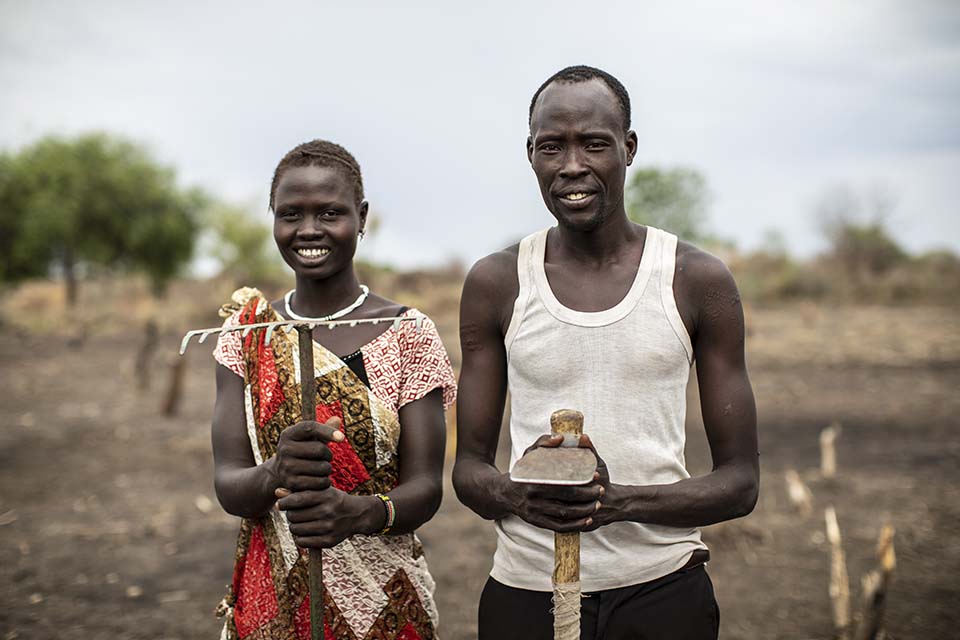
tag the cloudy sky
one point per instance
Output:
(774, 102)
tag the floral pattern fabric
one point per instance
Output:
(375, 587)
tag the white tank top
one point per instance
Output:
(626, 368)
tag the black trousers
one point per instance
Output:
(678, 606)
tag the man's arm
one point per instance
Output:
(482, 388)
(710, 305)
(487, 302)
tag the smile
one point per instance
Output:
(313, 253)
(574, 197)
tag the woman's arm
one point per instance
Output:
(247, 489)
(322, 519)
(423, 437)
(243, 488)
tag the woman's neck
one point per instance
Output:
(318, 298)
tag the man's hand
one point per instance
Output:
(323, 519)
(608, 511)
(303, 459)
(557, 507)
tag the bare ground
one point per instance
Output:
(109, 527)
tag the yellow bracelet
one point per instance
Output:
(391, 512)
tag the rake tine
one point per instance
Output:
(271, 327)
(185, 342)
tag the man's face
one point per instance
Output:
(580, 152)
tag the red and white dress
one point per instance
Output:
(375, 587)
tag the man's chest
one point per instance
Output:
(590, 290)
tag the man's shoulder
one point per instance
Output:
(704, 288)
(491, 287)
(491, 270)
(698, 269)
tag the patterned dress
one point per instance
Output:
(375, 587)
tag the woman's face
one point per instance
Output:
(317, 220)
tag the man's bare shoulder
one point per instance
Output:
(491, 287)
(699, 269)
(705, 290)
(493, 272)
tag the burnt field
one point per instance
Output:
(109, 527)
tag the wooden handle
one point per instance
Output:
(315, 580)
(566, 546)
(566, 421)
(308, 382)
(308, 411)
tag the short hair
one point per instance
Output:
(582, 73)
(319, 153)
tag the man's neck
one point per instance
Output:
(604, 244)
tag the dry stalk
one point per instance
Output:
(875, 586)
(839, 580)
(828, 451)
(798, 493)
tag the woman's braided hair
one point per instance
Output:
(319, 153)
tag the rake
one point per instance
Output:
(308, 410)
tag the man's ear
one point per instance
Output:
(631, 144)
(530, 149)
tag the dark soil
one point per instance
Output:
(109, 528)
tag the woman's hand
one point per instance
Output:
(303, 458)
(323, 519)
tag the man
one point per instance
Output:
(604, 316)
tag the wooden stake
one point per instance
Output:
(839, 581)
(828, 452)
(151, 335)
(875, 587)
(798, 492)
(171, 403)
(308, 411)
(566, 552)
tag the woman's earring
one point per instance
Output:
(360, 235)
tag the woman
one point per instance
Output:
(361, 477)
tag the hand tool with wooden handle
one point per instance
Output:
(568, 464)
(308, 411)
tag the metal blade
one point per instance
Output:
(555, 465)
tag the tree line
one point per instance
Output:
(70, 207)
(74, 206)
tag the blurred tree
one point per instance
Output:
(17, 259)
(671, 199)
(243, 246)
(855, 227)
(92, 200)
(162, 237)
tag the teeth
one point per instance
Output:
(313, 253)
(575, 196)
